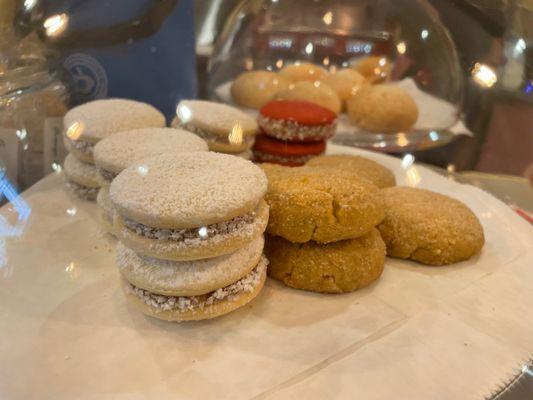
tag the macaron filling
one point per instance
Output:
(82, 146)
(286, 129)
(85, 192)
(192, 234)
(210, 137)
(160, 303)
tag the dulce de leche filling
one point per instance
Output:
(82, 146)
(108, 176)
(160, 303)
(239, 223)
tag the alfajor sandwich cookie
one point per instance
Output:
(225, 128)
(81, 178)
(189, 206)
(87, 124)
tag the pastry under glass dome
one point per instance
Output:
(271, 34)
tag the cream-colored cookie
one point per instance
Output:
(81, 178)
(188, 278)
(193, 308)
(303, 71)
(375, 69)
(429, 227)
(382, 109)
(313, 92)
(337, 267)
(254, 89)
(196, 243)
(189, 205)
(323, 205)
(87, 124)
(345, 82)
(80, 172)
(82, 153)
(225, 128)
(105, 209)
(115, 153)
(363, 167)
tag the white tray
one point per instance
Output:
(418, 333)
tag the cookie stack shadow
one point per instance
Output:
(322, 234)
(190, 227)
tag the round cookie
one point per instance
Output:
(345, 82)
(376, 173)
(254, 89)
(322, 205)
(189, 206)
(195, 308)
(382, 109)
(115, 153)
(375, 69)
(303, 71)
(81, 178)
(312, 92)
(429, 227)
(297, 121)
(226, 129)
(188, 278)
(105, 209)
(337, 267)
(270, 150)
(87, 124)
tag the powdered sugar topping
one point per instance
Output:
(100, 118)
(188, 190)
(119, 151)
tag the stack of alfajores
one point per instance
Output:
(86, 125)
(115, 153)
(191, 228)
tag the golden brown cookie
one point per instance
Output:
(337, 267)
(320, 205)
(345, 82)
(383, 109)
(375, 69)
(254, 89)
(429, 227)
(376, 173)
(313, 92)
(303, 71)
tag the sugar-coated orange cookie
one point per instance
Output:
(336, 267)
(429, 227)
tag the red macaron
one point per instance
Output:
(299, 121)
(267, 149)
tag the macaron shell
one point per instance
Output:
(269, 145)
(302, 112)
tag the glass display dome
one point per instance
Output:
(397, 43)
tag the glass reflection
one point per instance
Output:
(56, 24)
